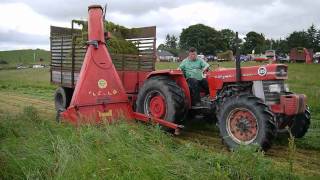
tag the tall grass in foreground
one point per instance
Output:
(34, 148)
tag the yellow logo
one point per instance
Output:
(102, 84)
(105, 114)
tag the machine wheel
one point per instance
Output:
(62, 98)
(161, 97)
(58, 115)
(301, 123)
(245, 119)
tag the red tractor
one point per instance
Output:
(251, 104)
(250, 109)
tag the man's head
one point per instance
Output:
(192, 53)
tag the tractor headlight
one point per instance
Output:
(286, 88)
(275, 88)
(282, 71)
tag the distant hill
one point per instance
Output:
(25, 57)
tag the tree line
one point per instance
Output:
(209, 41)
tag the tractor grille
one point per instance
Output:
(273, 97)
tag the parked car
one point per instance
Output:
(210, 57)
(37, 66)
(244, 58)
(202, 57)
(20, 66)
(316, 58)
(283, 58)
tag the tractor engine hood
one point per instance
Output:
(252, 73)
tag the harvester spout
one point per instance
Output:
(95, 24)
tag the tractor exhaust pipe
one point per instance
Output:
(238, 67)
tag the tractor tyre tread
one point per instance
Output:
(301, 124)
(169, 89)
(267, 131)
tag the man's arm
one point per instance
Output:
(181, 66)
(204, 65)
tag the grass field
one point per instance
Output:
(25, 57)
(34, 146)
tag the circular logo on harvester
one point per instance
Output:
(102, 83)
(262, 71)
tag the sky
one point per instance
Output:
(25, 24)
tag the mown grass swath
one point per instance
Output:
(32, 148)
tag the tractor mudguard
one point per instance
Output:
(166, 72)
(178, 76)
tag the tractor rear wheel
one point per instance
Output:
(301, 123)
(246, 120)
(161, 97)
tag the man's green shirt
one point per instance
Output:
(193, 69)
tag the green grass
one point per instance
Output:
(34, 82)
(24, 57)
(35, 148)
(303, 78)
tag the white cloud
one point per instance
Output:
(274, 18)
(20, 17)
(21, 27)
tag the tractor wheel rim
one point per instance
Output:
(155, 104)
(242, 126)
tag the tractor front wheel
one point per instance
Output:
(301, 123)
(246, 120)
(162, 98)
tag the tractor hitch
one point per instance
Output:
(149, 119)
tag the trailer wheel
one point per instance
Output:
(161, 97)
(58, 115)
(301, 123)
(246, 120)
(62, 98)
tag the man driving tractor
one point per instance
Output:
(193, 68)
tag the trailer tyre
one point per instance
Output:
(301, 124)
(161, 97)
(62, 98)
(245, 119)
